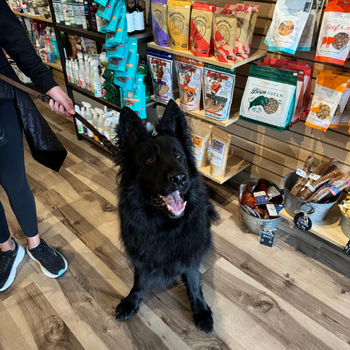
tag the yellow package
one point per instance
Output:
(327, 95)
(178, 24)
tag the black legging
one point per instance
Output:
(13, 177)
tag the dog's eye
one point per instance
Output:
(150, 160)
(177, 155)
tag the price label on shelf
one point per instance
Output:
(267, 237)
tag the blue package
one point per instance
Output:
(118, 51)
(106, 11)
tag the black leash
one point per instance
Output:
(46, 98)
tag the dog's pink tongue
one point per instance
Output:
(174, 203)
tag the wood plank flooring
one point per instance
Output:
(295, 295)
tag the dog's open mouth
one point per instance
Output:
(173, 202)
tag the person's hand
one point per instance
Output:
(61, 103)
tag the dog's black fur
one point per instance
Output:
(161, 246)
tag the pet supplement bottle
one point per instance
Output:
(88, 116)
(82, 14)
(71, 13)
(96, 81)
(78, 122)
(82, 81)
(57, 6)
(54, 47)
(77, 16)
(65, 12)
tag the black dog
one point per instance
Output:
(165, 212)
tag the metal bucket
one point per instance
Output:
(345, 224)
(315, 211)
(256, 225)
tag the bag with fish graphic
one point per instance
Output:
(268, 97)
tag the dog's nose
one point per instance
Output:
(178, 180)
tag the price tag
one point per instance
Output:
(261, 197)
(347, 249)
(310, 186)
(302, 222)
(273, 192)
(314, 176)
(267, 238)
(332, 189)
(274, 209)
(301, 173)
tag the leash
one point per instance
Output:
(46, 98)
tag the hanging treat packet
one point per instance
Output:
(118, 51)
(159, 22)
(328, 92)
(111, 26)
(116, 62)
(201, 134)
(224, 33)
(189, 77)
(161, 68)
(218, 86)
(243, 14)
(252, 22)
(178, 24)
(120, 35)
(287, 25)
(220, 147)
(102, 2)
(201, 26)
(268, 98)
(334, 41)
(106, 11)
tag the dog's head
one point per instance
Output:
(161, 166)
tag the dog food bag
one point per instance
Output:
(189, 77)
(201, 134)
(106, 11)
(159, 22)
(161, 68)
(328, 92)
(243, 13)
(268, 98)
(287, 25)
(251, 27)
(218, 86)
(220, 147)
(201, 26)
(334, 41)
(178, 24)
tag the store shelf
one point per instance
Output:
(109, 104)
(54, 65)
(28, 15)
(254, 55)
(200, 114)
(328, 229)
(234, 166)
(93, 141)
(99, 37)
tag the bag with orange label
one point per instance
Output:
(328, 92)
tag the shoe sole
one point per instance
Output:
(46, 272)
(13, 273)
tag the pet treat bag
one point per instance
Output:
(200, 31)
(159, 22)
(161, 68)
(218, 86)
(334, 40)
(224, 33)
(178, 24)
(200, 133)
(111, 26)
(328, 92)
(287, 25)
(220, 147)
(268, 97)
(252, 22)
(118, 51)
(189, 77)
(106, 11)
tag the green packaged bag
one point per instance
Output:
(268, 97)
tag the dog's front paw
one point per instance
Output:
(204, 321)
(125, 310)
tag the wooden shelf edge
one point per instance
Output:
(200, 114)
(28, 15)
(328, 229)
(254, 55)
(56, 66)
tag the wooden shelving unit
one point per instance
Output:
(328, 229)
(28, 15)
(254, 55)
(200, 114)
(57, 66)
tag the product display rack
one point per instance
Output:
(28, 15)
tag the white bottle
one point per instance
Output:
(98, 23)
(150, 127)
(80, 127)
(77, 15)
(76, 73)
(107, 124)
(83, 114)
(67, 70)
(91, 73)
(82, 14)
(87, 76)
(103, 59)
(82, 82)
(96, 81)
(101, 120)
(70, 67)
(88, 116)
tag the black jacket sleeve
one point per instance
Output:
(15, 41)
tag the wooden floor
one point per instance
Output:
(295, 295)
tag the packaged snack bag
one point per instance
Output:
(224, 33)
(118, 51)
(200, 133)
(243, 14)
(252, 22)
(220, 147)
(328, 92)
(159, 22)
(102, 2)
(106, 11)
(201, 26)
(334, 41)
(189, 77)
(287, 25)
(268, 97)
(178, 23)
(120, 34)
(218, 86)
(111, 26)
(161, 68)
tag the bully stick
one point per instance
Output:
(302, 181)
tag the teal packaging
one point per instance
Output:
(117, 64)
(112, 24)
(118, 51)
(102, 2)
(106, 11)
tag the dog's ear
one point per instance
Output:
(173, 122)
(130, 128)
